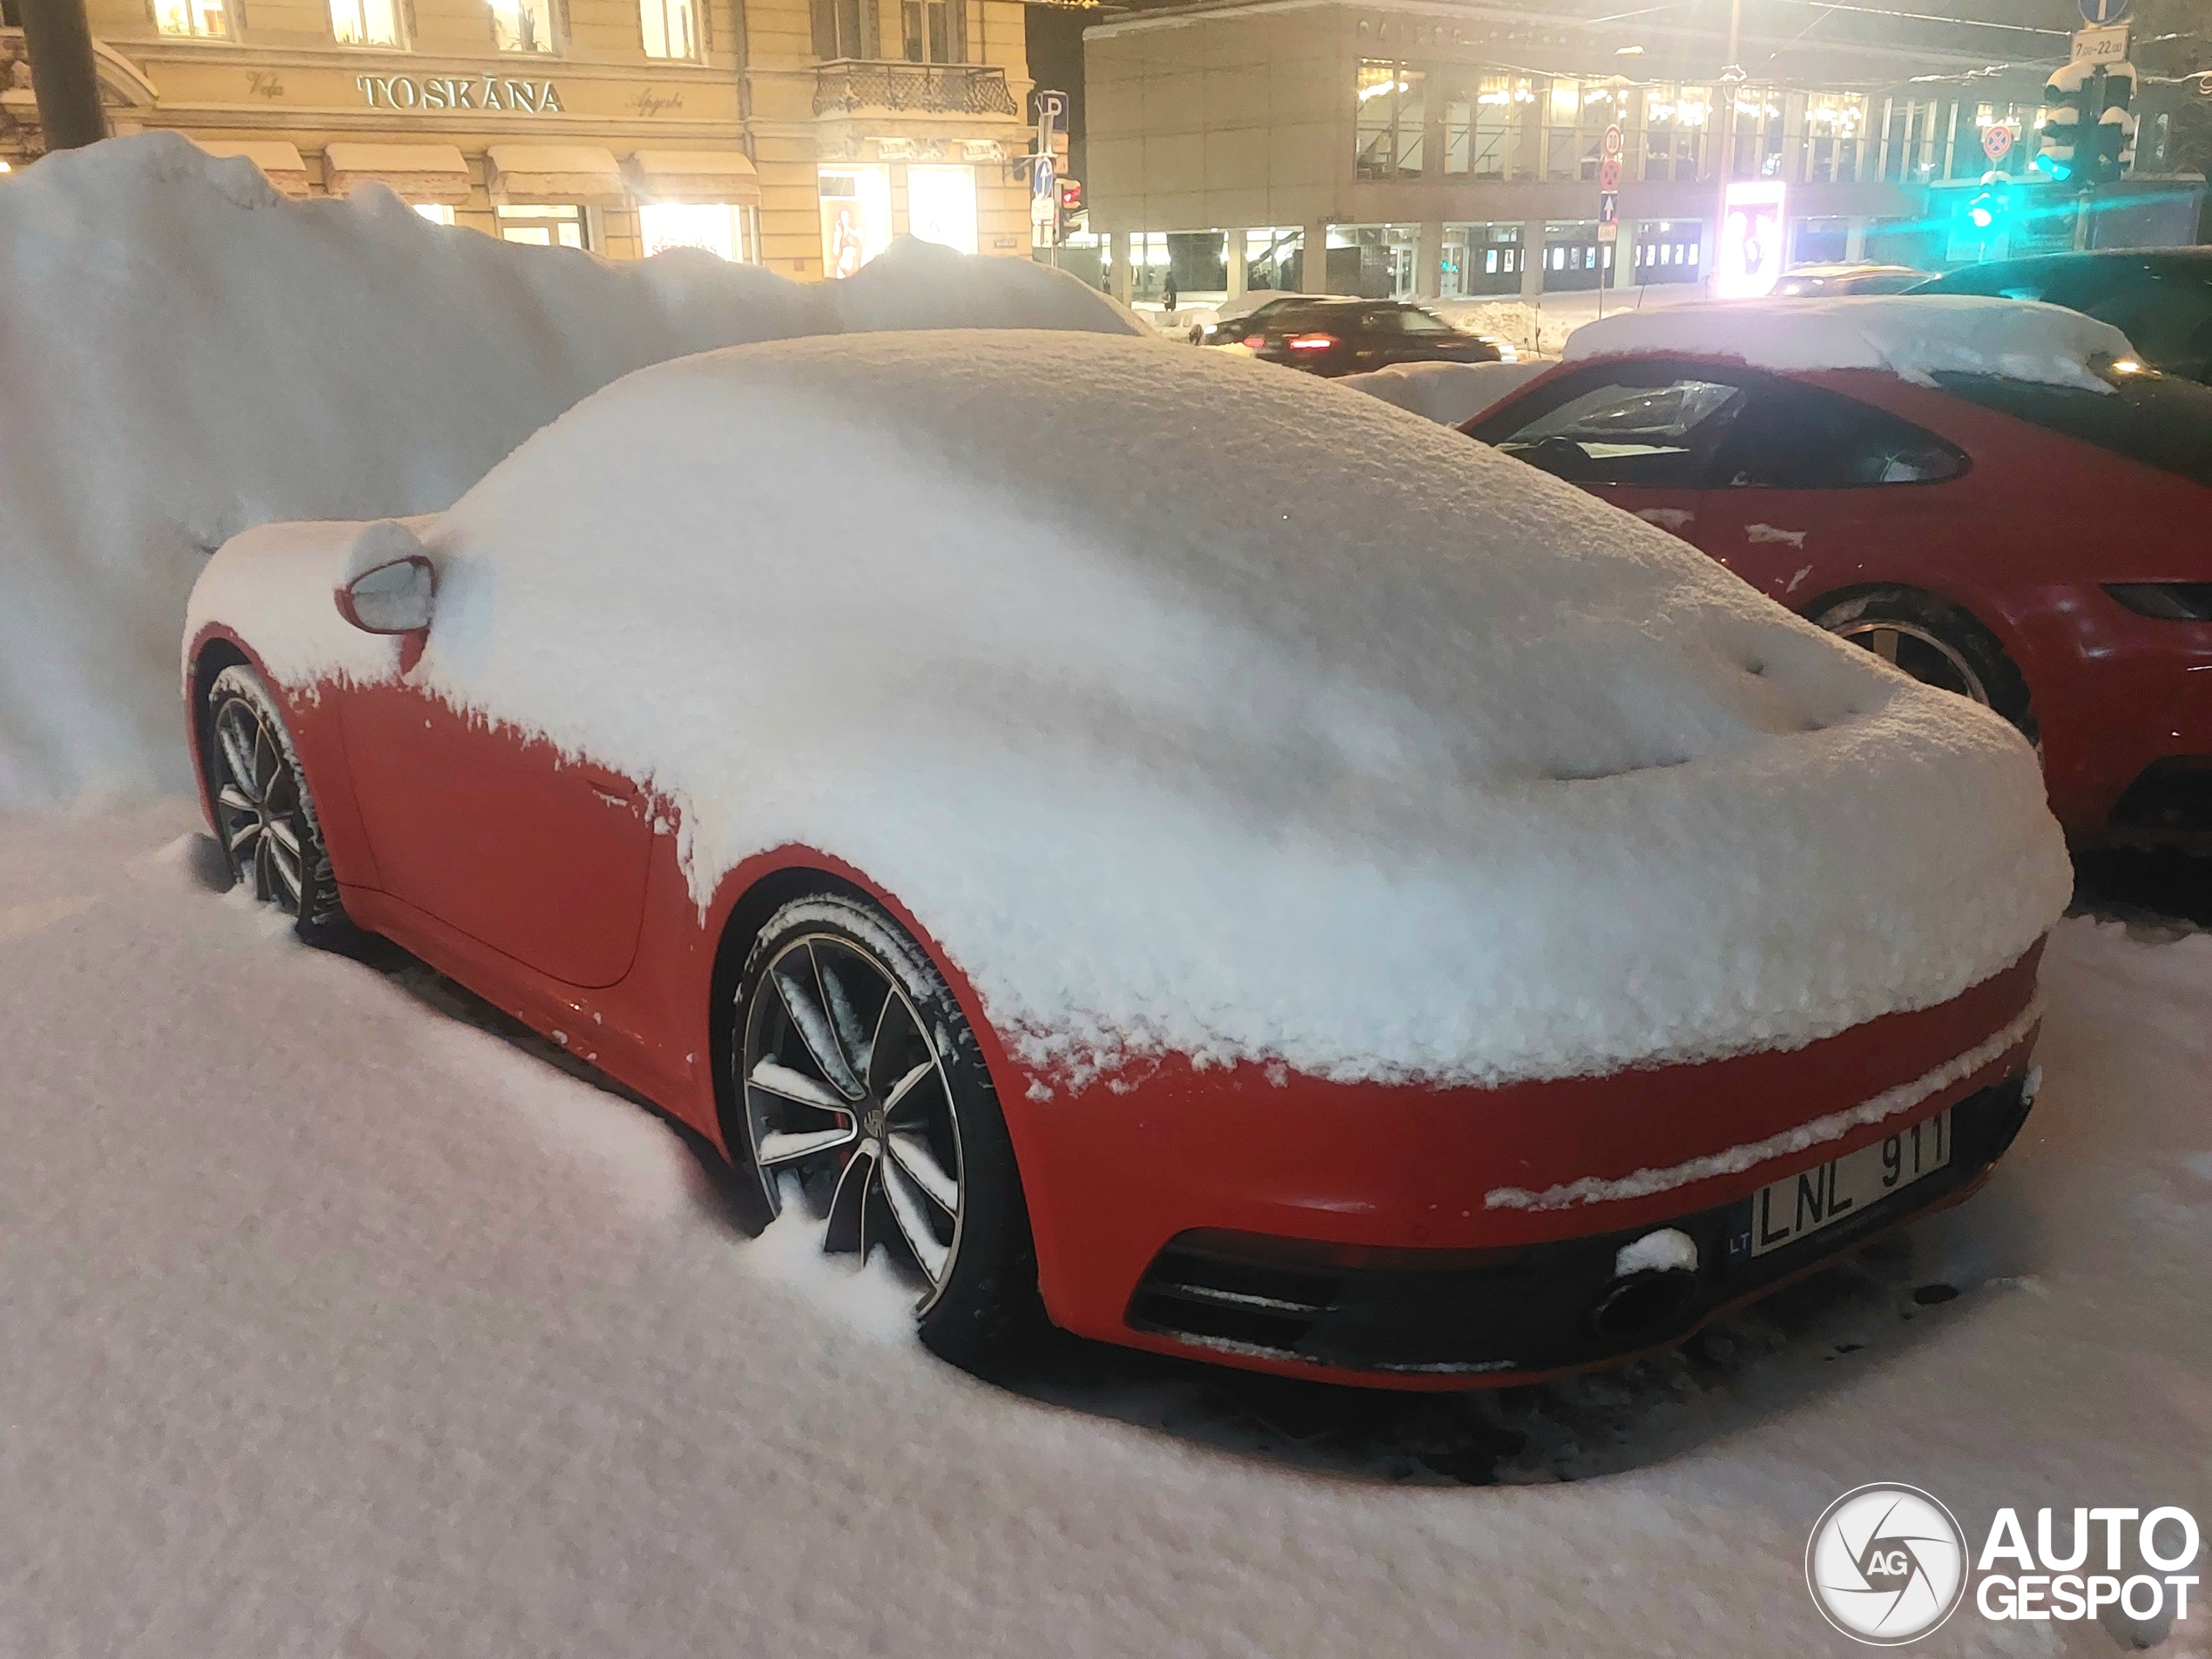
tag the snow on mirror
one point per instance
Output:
(393, 598)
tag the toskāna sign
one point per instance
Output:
(459, 92)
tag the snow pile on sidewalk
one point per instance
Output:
(1445, 393)
(1530, 330)
(186, 353)
(1914, 336)
(1155, 765)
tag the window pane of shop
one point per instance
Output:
(202, 17)
(716, 227)
(365, 22)
(542, 225)
(668, 28)
(523, 25)
(941, 205)
(1377, 91)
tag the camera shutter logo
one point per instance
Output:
(1887, 1565)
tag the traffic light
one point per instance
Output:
(2113, 139)
(1072, 217)
(2088, 130)
(1988, 207)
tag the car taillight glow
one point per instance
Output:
(1312, 342)
(1253, 342)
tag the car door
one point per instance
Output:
(1637, 432)
(541, 857)
(1810, 490)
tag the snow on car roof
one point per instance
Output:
(1196, 706)
(1913, 336)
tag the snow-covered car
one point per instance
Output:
(1371, 913)
(1994, 495)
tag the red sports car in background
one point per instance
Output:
(1404, 924)
(2042, 548)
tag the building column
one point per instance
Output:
(1709, 238)
(1313, 257)
(1855, 240)
(1531, 261)
(1624, 253)
(1428, 259)
(1118, 251)
(1237, 271)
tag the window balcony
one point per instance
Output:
(850, 85)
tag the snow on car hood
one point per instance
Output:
(1195, 705)
(1916, 336)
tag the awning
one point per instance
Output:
(274, 157)
(418, 172)
(556, 173)
(695, 176)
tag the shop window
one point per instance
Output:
(941, 205)
(725, 231)
(365, 22)
(523, 25)
(844, 28)
(205, 18)
(931, 32)
(436, 212)
(856, 217)
(543, 226)
(1391, 124)
(671, 28)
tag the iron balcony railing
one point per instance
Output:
(850, 85)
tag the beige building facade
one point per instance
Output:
(803, 137)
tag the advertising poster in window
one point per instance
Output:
(711, 225)
(941, 205)
(1747, 262)
(856, 218)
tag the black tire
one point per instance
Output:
(900, 1074)
(1938, 644)
(265, 813)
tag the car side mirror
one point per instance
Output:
(391, 598)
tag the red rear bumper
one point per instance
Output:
(1121, 1167)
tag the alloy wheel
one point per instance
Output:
(1927, 658)
(257, 804)
(848, 1103)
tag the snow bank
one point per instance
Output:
(1915, 336)
(1363, 747)
(1445, 393)
(1529, 329)
(188, 353)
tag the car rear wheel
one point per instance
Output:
(1938, 644)
(264, 815)
(865, 1102)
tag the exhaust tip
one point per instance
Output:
(1654, 1281)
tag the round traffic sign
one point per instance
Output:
(2103, 12)
(1614, 142)
(1996, 142)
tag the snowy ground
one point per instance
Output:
(337, 1323)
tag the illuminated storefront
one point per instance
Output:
(622, 127)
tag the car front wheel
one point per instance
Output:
(865, 1102)
(264, 815)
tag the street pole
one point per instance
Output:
(62, 74)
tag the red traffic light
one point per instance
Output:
(1071, 195)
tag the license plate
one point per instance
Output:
(1785, 1211)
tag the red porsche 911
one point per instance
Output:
(1377, 915)
(1998, 522)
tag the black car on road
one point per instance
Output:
(2159, 298)
(1333, 337)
